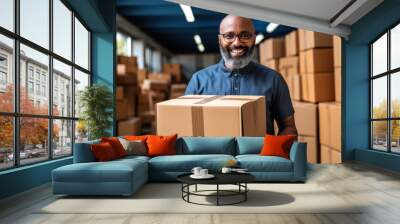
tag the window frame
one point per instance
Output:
(16, 115)
(388, 74)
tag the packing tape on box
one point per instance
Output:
(197, 115)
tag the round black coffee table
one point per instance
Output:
(238, 179)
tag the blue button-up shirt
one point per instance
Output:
(253, 79)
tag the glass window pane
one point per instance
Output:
(379, 135)
(34, 97)
(81, 131)
(6, 142)
(124, 45)
(81, 45)
(379, 56)
(33, 139)
(81, 81)
(7, 14)
(395, 132)
(6, 74)
(379, 98)
(62, 89)
(62, 138)
(395, 94)
(35, 21)
(395, 47)
(62, 29)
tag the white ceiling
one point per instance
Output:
(322, 9)
(324, 16)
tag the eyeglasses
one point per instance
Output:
(231, 36)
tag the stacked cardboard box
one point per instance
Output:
(330, 132)
(177, 90)
(270, 51)
(175, 70)
(127, 66)
(306, 118)
(126, 94)
(155, 88)
(292, 43)
(132, 126)
(337, 62)
(330, 114)
(289, 65)
(142, 75)
(316, 66)
(316, 85)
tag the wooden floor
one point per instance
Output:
(377, 188)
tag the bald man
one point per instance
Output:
(237, 74)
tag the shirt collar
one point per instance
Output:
(226, 72)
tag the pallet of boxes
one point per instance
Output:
(126, 94)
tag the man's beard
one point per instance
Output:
(237, 63)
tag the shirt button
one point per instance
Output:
(236, 88)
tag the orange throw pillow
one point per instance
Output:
(116, 145)
(161, 145)
(277, 145)
(103, 151)
(135, 137)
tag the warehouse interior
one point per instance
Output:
(339, 59)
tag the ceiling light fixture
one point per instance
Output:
(259, 38)
(188, 13)
(271, 27)
(197, 39)
(201, 48)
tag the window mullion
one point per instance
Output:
(50, 81)
(371, 124)
(16, 85)
(389, 101)
(73, 82)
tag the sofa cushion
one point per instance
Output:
(116, 145)
(257, 163)
(111, 171)
(277, 145)
(161, 145)
(134, 147)
(135, 137)
(103, 152)
(185, 163)
(206, 145)
(249, 145)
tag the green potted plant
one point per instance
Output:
(96, 103)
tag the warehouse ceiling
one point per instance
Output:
(165, 22)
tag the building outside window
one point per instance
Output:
(30, 87)
(3, 72)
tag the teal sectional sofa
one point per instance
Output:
(125, 176)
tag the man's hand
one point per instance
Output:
(287, 126)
